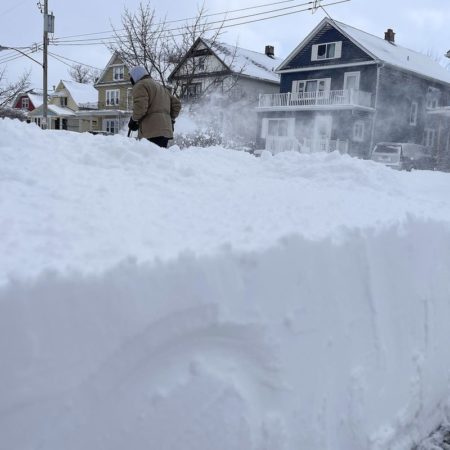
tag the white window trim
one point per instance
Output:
(296, 83)
(25, 103)
(114, 128)
(337, 51)
(429, 137)
(359, 129)
(290, 126)
(413, 113)
(351, 74)
(433, 97)
(112, 97)
(119, 70)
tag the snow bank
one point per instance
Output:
(207, 299)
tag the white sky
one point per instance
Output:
(421, 25)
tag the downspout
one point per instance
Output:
(374, 120)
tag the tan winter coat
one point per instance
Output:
(154, 108)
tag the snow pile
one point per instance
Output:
(207, 299)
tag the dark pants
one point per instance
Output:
(160, 140)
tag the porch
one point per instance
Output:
(294, 101)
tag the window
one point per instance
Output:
(429, 137)
(63, 101)
(192, 90)
(118, 73)
(358, 131)
(303, 86)
(112, 97)
(351, 80)
(413, 113)
(201, 66)
(37, 121)
(433, 97)
(25, 103)
(277, 127)
(330, 50)
(112, 126)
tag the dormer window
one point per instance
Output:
(330, 50)
(25, 102)
(118, 73)
(62, 101)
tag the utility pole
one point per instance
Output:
(49, 27)
(45, 66)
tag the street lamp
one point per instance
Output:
(45, 78)
(20, 51)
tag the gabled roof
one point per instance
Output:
(81, 93)
(114, 56)
(381, 50)
(35, 98)
(239, 61)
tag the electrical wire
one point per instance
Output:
(56, 56)
(223, 13)
(113, 39)
(207, 24)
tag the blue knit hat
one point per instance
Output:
(137, 73)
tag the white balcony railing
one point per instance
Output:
(299, 100)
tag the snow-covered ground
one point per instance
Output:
(208, 299)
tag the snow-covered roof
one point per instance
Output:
(57, 110)
(247, 62)
(381, 50)
(82, 94)
(36, 99)
(394, 54)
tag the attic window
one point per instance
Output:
(118, 73)
(330, 50)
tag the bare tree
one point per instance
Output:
(144, 41)
(147, 41)
(83, 74)
(10, 90)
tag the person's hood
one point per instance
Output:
(137, 73)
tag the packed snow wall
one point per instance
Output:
(319, 345)
(206, 299)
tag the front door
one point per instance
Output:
(322, 133)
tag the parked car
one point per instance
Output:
(403, 156)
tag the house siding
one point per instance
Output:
(397, 90)
(368, 77)
(351, 53)
(125, 100)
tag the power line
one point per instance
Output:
(113, 39)
(115, 36)
(12, 8)
(223, 13)
(56, 56)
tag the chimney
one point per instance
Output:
(389, 36)
(269, 51)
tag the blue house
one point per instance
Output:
(344, 89)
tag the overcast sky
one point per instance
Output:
(422, 25)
